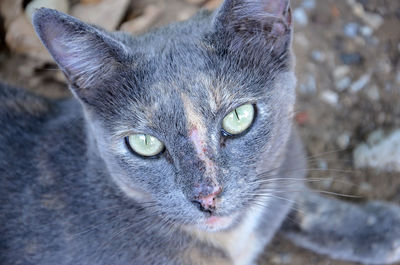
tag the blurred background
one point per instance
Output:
(348, 69)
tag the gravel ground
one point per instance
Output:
(348, 68)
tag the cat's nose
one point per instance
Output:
(207, 200)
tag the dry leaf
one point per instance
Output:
(143, 22)
(21, 38)
(106, 14)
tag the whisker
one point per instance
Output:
(327, 153)
(315, 190)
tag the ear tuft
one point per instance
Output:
(84, 53)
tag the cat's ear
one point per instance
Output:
(85, 54)
(255, 25)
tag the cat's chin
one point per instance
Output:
(217, 223)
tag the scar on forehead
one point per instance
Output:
(197, 133)
(194, 120)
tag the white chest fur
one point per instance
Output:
(242, 244)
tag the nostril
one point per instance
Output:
(197, 204)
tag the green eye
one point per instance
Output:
(239, 120)
(145, 145)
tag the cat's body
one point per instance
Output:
(73, 192)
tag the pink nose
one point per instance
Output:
(207, 202)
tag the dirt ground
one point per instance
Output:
(348, 69)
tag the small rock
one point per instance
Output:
(366, 31)
(330, 97)
(358, 8)
(300, 16)
(341, 71)
(351, 29)
(308, 4)
(373, 93)
(384, 66)
(106, 14)
(60, 5)
(322, 164)
(143, 22)
(375, 137)
(310, 86)
(318, 56)
(373, 20)
(351, 58)
(381, 152)
(343, 83)
(360, 83)
(343, 140)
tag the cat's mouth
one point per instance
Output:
(217, 223)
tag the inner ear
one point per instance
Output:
(255, 25)
(84, 53)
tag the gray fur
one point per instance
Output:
(73, 193)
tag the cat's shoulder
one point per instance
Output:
(17, 102)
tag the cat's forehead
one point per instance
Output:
(184, 100)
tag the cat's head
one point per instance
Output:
(188, 116)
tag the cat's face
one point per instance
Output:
(177, 85)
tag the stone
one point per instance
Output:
(330, 97)
(381, 151)
(351, 58)
(373, 20)
(373, 93)
(309, 86)
(300, 16)
(366, 31)
(308, 4)
(341, 71)
(318, 56)
(343, 84)
(351, 29)
(106, 13)
(343, 140)
(360, 83)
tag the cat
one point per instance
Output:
(177, 148)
